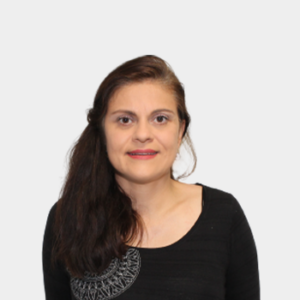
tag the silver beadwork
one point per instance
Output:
(116, 279)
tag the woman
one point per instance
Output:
(124, 227)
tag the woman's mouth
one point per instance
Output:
(142, 155)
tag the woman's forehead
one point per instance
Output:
(144, 94)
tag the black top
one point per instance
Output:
(215, 260)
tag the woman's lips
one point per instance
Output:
(142, 155)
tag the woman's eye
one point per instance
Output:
(124, 118)
(161, 118)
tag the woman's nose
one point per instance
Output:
(143, 130)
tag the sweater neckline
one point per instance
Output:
(188, 234)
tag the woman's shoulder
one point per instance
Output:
(51, 213)
(216, 193)
(222, 203)
(49, 228)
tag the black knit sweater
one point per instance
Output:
(215, 260)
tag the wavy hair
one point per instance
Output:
(94, 217)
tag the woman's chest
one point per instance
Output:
(193, 271)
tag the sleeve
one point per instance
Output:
(56, 278)
(242, 278)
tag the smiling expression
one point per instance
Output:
(142, 116)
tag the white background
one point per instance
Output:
(239, 63)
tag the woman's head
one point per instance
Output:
(141, 86)
(142, 116)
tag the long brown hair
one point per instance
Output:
(94, 217)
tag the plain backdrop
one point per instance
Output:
(239, 63)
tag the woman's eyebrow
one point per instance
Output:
(134, 114)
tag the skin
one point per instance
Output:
(159, 200)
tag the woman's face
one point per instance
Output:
(142, 116)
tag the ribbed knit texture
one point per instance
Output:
(215, 260)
